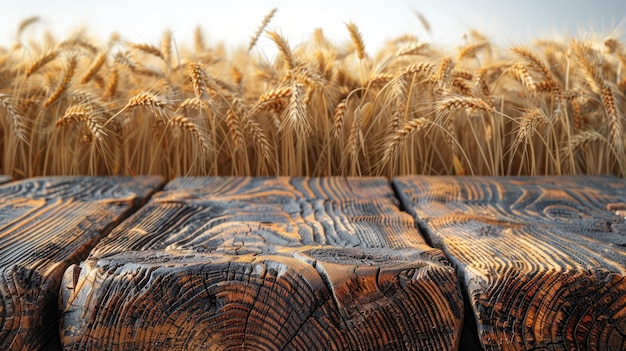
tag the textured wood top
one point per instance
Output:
(45, 225)
(542, 259)
(264, 263)
(255, 215)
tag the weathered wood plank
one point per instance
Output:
(46, 224)
(264, 263)
(543, 259)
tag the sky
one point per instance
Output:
(234, 21)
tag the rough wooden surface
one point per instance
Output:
(543, 259)
(46, 224)
(265, 264)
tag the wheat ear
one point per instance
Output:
(158, 102)
(522, 73)
(529, 121)
(166, 46)
(423, 21)
(262, 146)
(338, 118)
(271, 99)
(25, 23)
(198, 40)
(449, 104)
(83, 113)
(615, 123)
(285, 50)
(537, 63)
(480, 82)
(111, 87)
(357, 40)
(199, 81)
(94, 68)
(399, 136)
(469, 51)
(583, 138)
(42, 61)
(297, 116)
(233, 121)
(187, 125)
(67, 78)
(261, 28)
(420, 67)
(16, 119)
(149, 49)
(414, 48)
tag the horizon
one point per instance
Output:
(235, 22)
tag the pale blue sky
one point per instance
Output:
(235, 21)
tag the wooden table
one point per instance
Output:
(421, 263)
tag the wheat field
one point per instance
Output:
(114, 107)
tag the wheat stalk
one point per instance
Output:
(25, 23)
(272, 98)
(111, 87)
(442, 76)
(199, 81)
(148, 49)
(469, 51)
(284, 49)
(155, 100)
(462, 86)
(414, 48)
(529, 121)
(16, 119)
(263, 147)
(418, 68)
(94, 68)
(234, 123)
(399, 136)
(198, 40)
(78, 42)
(192, 128)
(42, 61)
(338, 118)
(423, 21)
(61, 88)
(166, 46)
(379, 80)
(480, 84)
(297, 117)
(537, 63)
(357, 40)
(616, 135)
(193, 103)
(355, 137)
(522, 73)
(583, 138)
(261, 28)
(450, 104)
(83, 113)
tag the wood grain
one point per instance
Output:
(268, 264)
(542, 259)
(46, 224)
